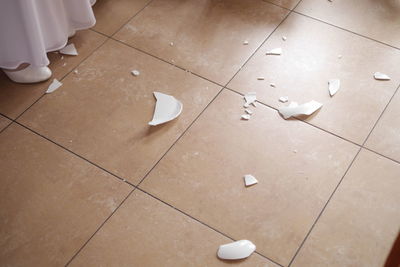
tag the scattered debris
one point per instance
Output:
(339, 56)
(260, 78)
(171, 44)
(284, 38)
(284, 99)
(334, 86)
(76, 71)
(294, 109)
(248, 111)
(246, 117)
(65, 64)
(236, 250)
(275, 52)
(135, 73)
(69, 50)
(250, 98)
(381, 76)
(295, 151)
(272, 85)
(53, 86)
(167, 108)
(246, 42)
(250, 180)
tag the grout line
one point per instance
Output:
(386, 157)
(77, 155)
(203, 223)
(98, 228)
(338, 27)
(323, 209)
(266, 1)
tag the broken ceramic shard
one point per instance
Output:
(275, 51)
(246, 42)
(135, 73)
(167, 109)
(381, 76)
(69, 50)
(334, 86)
(294, 109)
(248, 111)
(284, 99)
(260, 78)
(284, 38)
(272, 85)
(250, 98)
(249, 180)
(246, 117)
(339, 56)
(236, 250)
(53, 86)
(171, 44)
(76, 71)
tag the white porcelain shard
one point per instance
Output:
(53, 86)
(69, 50)
(246, 42)
(135, 73)
(339, 56)
(381, 76)
(334, 86)
(284, 38)
(171, 44)
(260, 78)
(246, 117)
(250, 98)
(294, 109)
(284, 99)
(248, 111)
(236, 250)
(250, 180)
(272, 85)
(167, 109)
(275, 52)
(76, 71)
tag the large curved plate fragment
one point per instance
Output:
(236, 250)
(167, 109)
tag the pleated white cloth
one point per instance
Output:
(31, 28)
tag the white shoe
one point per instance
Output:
(29, 74)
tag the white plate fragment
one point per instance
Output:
(135, 73)
(53, 86)
(167, 109)
(246, 117)
(381, 76)
(272, 85)
(236, 250)
(248, 111)
(334, 86)
(284, 99)
(69, 50)
(249, 180)
(294, 109)
(284, 38)
(275, 52)
(246, 42)
(250, 98)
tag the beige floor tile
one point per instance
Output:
(385, 138)
(297, 167)
(362, 220)
(51, 202)
(146, 232)
(103, 112)
(15, 98)
(309, 60)
(378, 20)
(113, 14)
(4, 122)
(284, 3)
(207, 35)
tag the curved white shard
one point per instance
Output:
(135, 73)
(284, 99)
(246, 117)
(53, 86)
(294, 109)
(275, 52)
(381, 76)
(167, 109)
(236, 250)
(334, 86)
(69, 50)
(250, 180)
(250, 98)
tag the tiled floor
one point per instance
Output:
(86, 182)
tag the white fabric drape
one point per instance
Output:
(31, 28)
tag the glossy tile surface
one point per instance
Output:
(207, 35)
(15, 98)
(310, 58)
(147, 232)
(378, 20)
(102, 113)
(385, 138)
(297, 167)
(111, 15)
(51, 201)
(361, 222)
